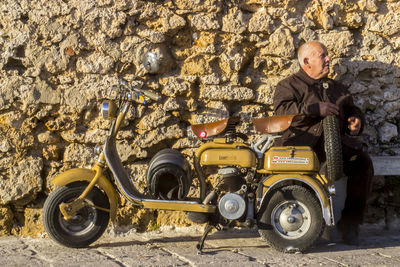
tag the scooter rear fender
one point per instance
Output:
(78, 174)
(275, 181)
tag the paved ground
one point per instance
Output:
(378, 247)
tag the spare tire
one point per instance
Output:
(333, 148)
(168, 176)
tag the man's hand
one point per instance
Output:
(327, 108)
(354, 125)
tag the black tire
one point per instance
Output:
(168, 175)
(86, 227)
(333, 148)
(169, 183)
(155, 157)
(301, 207)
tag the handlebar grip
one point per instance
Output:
(151, 95)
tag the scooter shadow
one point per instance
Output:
(220, 235)
(175, 239)
(369, 239)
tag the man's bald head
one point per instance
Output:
(307, 49)
(314, 60)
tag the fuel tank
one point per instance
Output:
(240, 157)
(296, 159)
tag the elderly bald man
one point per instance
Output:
(312, 95)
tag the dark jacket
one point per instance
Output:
(299, 94)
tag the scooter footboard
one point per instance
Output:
(128, 189)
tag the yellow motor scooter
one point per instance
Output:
(277, 189)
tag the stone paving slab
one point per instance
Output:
(176, 248)
(134, 253)
(249, 243)
(15, 252)
(222, 256)
(58, 255)
(348, 256)
(378, 247)
(184, 247)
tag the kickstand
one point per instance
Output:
(200, 245)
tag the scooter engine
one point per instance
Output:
(232, 204)
(229, 180)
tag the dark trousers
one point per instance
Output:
(358, 167)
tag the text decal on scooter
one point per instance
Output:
(289, 160)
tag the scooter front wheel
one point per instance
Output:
(290, 220)
(86, 226)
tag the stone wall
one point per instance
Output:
(220, 58)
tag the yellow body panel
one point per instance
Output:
(76, 175)
(290, 159)
(230, 154)
(241, 157)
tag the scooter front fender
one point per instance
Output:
(78, 174)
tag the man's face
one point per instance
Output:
(318, 61)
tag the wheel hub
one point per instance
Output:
(291, 219)
(81, 223)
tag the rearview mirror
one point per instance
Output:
(151, 62)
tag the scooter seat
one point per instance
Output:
(209, 129)
(273, 124)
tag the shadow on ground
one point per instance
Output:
(371, 236)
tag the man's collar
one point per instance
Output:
(304, 77)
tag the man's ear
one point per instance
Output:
(306, 62)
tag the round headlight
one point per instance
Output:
(109, 110)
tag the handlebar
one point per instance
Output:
(151, 95)
(139, 92)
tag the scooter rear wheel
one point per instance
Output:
(86, 226)
(290, 219)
